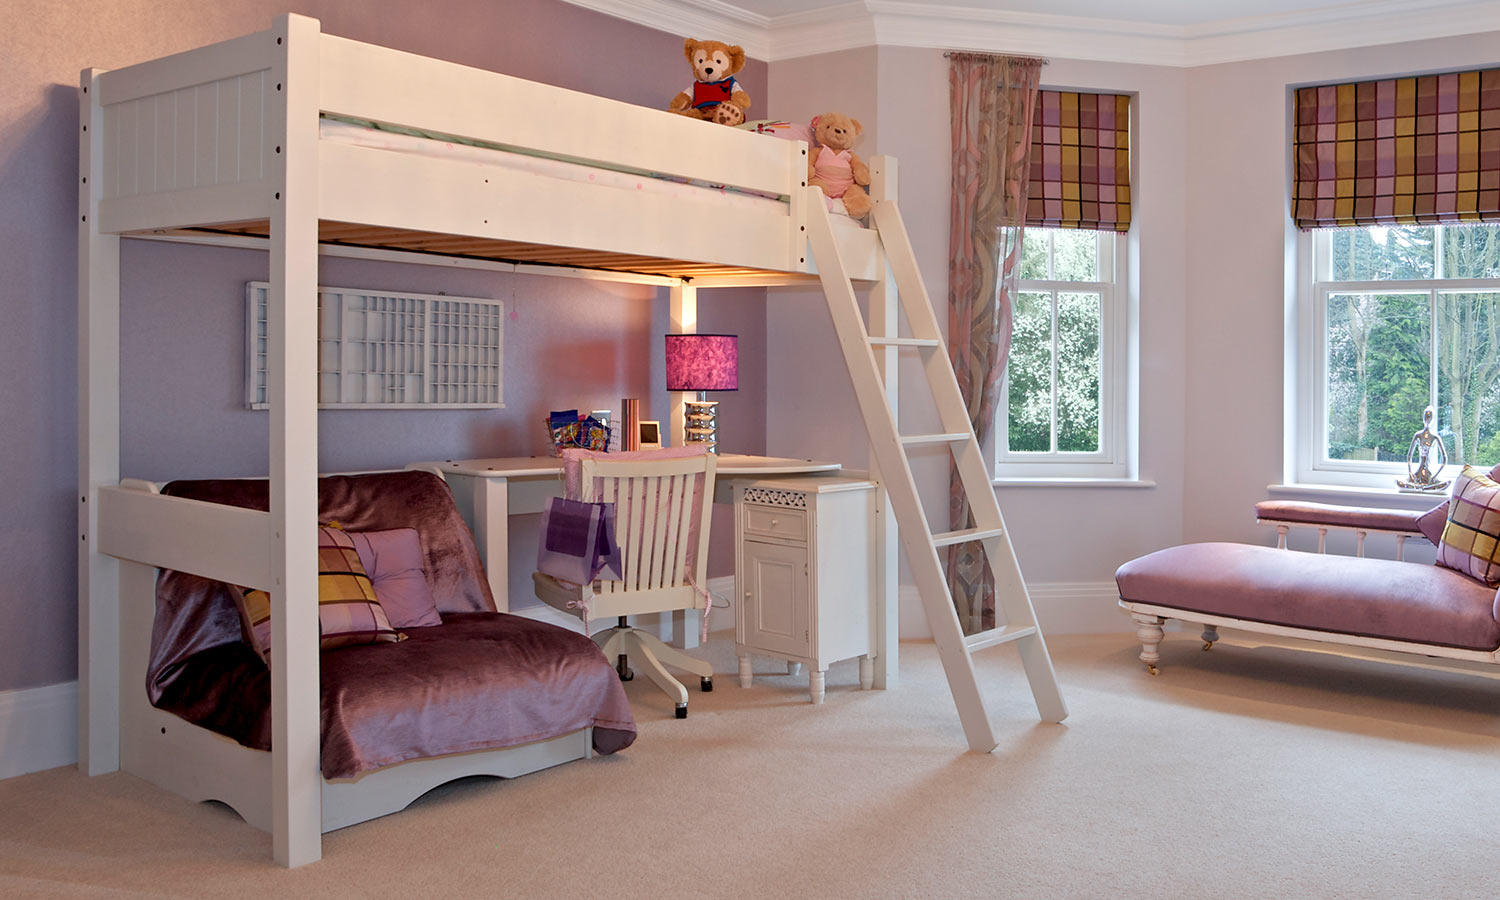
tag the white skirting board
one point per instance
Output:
(38, 728)
(1062, 607)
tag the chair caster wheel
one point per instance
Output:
(708, 685)
(1152, 670)
(682, 711)
(626, 673)
(1208, 645)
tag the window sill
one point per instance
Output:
(1010, 482)
(1347, 495)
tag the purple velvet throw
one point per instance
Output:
(479, 681)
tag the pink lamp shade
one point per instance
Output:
(703, 362)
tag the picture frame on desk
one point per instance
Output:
(650, 433)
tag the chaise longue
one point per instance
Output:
(1386, 609)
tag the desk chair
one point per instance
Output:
(661, 521)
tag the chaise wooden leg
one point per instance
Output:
(1149, 631)
(1210, 634)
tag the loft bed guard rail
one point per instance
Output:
(192, 140)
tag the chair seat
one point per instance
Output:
(559, 594)
(1377, 598)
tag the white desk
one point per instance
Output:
(489, 491)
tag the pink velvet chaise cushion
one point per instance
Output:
(1378, 598)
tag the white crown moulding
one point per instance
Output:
(894, 23)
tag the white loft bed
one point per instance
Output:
(223, 143)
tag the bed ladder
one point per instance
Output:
(889, 447)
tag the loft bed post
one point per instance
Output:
(292, 320)
(885, 321)
(682, 318)
(98, 448)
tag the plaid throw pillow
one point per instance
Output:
(348, 612)
(1471, 538)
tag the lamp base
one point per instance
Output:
(700, 420)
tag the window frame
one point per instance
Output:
(1311, 464)
(1111, 461)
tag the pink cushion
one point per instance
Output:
(1471, 538)
(1350, 595)
(393, 560)
(1431, 523)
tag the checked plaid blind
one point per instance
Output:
(1080, 162)
(1409, 151)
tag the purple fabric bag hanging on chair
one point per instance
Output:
(578, 541)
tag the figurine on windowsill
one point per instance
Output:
(1424, 479)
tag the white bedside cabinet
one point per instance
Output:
(804, 574)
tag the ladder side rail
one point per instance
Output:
(952, 410)
(885, 447)
(1011, 594)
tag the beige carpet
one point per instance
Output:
(1237, 773)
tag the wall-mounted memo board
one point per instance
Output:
(379, 350)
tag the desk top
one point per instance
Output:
(541, 466)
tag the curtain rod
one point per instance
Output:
(948, 54)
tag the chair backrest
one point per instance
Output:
(662, 509)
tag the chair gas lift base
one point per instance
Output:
(804, 575)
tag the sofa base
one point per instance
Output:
(1150, 618)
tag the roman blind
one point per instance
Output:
(1419, 150)
(1080, 161)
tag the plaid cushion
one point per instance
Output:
(1471, 538)
(348, 612)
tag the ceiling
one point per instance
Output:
(1155, 12)
(1158, 32)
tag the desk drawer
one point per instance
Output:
(776, 522)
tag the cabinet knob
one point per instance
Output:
(774, 521)
(747, 595)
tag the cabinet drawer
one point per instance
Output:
(775, 521)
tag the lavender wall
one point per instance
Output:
(182, 341)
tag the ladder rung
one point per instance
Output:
(947, 437)
(904, 342)
(949, 538)
(998, 636)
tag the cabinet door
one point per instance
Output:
(777, 617)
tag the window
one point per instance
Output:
(1062, 409)
(1400, 318)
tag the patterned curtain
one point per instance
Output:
(1408, 151)
(991, 99)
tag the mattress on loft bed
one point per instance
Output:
(481, 680)
(399, 139)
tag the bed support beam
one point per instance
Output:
(885, 321)
(296, 785)
(682, 318)
(98, 448)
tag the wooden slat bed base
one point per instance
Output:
(484, 248)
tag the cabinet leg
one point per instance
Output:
(745, 676)
(794, 669)
(866, 672)
(815, 684)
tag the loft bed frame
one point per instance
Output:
(221, 145)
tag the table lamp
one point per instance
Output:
(702, 363)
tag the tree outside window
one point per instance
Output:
(1411, 318)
